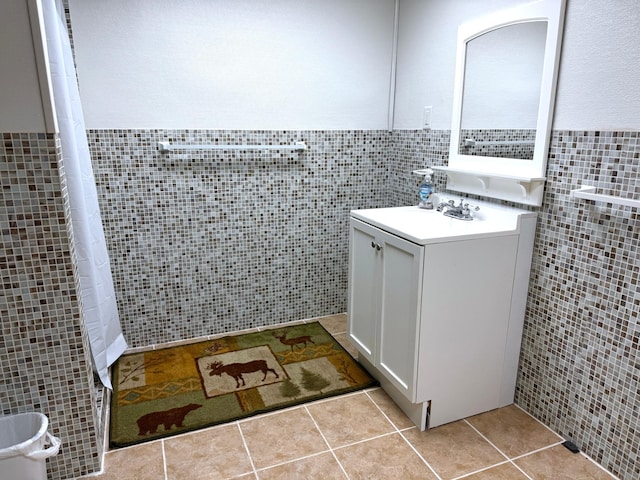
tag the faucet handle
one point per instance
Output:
(466, 209)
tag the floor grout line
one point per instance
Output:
(486, 439)
(418, 453)
(327, 443)
(293, 460)
(498, 449)
(381, 411)
(405, 438)
(246, 447)
(164, 460)
(518, 457)
(364, 440)
(484, 469)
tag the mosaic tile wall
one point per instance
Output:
(580, 361)
(44, 348)
(212, 241)
(235, 233)
(412, 150)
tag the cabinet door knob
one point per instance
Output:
(378, 247)
(373, 244)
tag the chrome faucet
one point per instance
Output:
(448, 205)
(461, 211)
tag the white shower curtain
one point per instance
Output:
(96, 284)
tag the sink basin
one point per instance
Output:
(430, 226)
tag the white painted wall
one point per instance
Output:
(599, 83)
(234, 64)
(20, 103)
(426, 56)
(599, 66)
(302, 64)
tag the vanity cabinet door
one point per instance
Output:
(364, 290)
(399, 320)
(385, 281)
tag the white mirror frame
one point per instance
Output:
(517, 180)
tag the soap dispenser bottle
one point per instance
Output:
(426, 190)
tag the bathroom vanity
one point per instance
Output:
(436, 305)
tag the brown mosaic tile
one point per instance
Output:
(578, 367)
(213, 241)
(43, 346)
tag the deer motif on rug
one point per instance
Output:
(236, 370)
(292, 342)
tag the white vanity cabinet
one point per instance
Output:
(436, 307)
(386, 275)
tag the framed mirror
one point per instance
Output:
(501, 91)
(504, 91)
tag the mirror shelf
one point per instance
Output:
(526, 190)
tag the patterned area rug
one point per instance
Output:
(173, 390)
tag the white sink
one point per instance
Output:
(430, 226)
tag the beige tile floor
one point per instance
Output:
(361, 435)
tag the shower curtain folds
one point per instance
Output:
(100, 313)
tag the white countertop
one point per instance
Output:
(430, 226)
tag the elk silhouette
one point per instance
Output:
(236, 370)
(293, 341)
